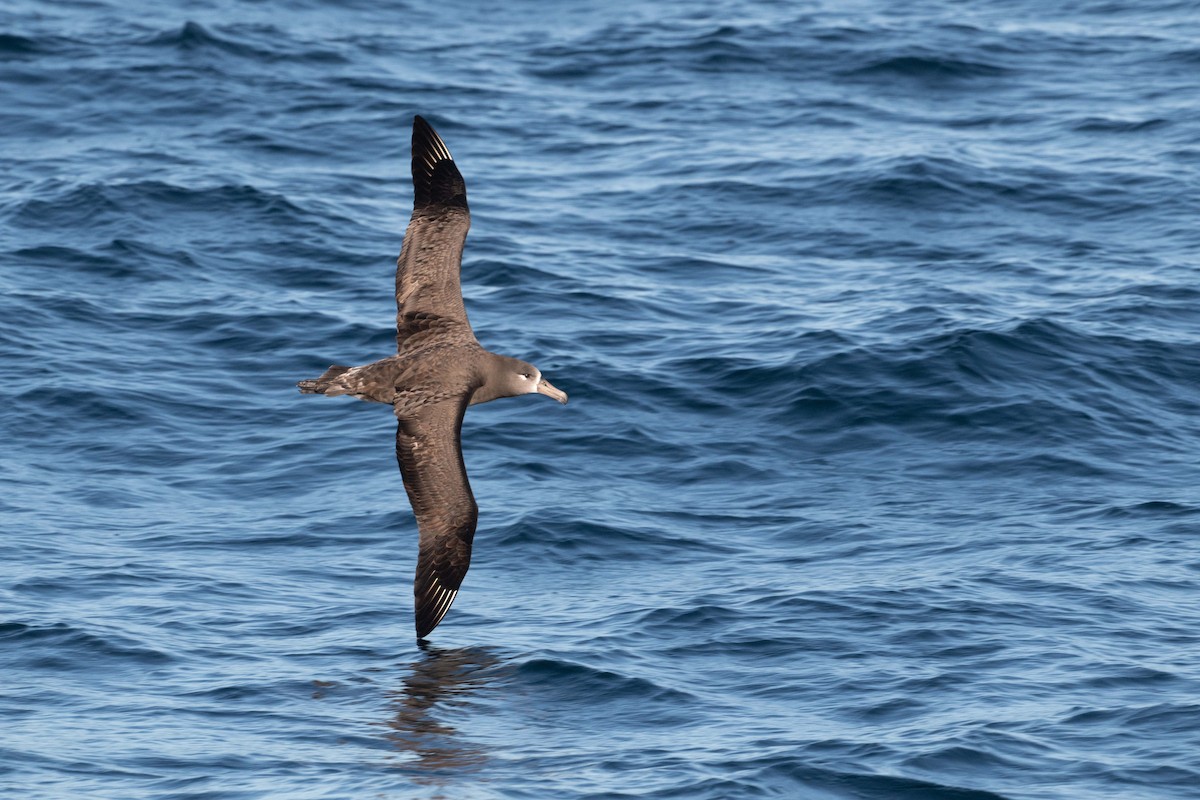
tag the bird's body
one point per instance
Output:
(439, 369)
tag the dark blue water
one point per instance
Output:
(881, 326)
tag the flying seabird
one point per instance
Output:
(439, 369)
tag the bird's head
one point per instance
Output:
(509, 377)
(525, 378)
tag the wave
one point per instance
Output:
(557, 680)
(61, 646)
(541, 536)
(265, 43)
(930, 68)
(14, 46)
(99, 206)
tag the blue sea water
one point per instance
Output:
(879, 479)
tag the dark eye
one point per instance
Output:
(526, 375)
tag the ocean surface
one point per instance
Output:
(881, 472)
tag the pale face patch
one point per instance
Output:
(530, 380)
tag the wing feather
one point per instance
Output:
(427, 272)
(428, 448)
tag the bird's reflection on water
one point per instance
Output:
(441, 679)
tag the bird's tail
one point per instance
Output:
(319, 385)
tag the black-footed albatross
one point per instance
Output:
(439, 369)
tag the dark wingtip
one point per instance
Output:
(436, 180)
(425, 627)
(431, 602)
(422, 625)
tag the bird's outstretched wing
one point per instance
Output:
(427, 272)
(430, 454)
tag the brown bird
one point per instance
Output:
(439, 369)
